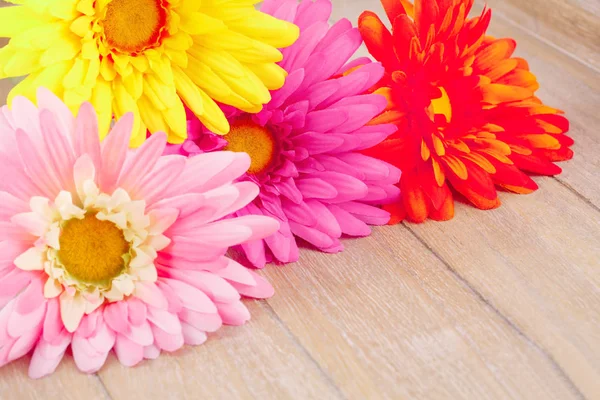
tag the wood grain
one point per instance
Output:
(492, 305)
(388, 319)
(67, 383)
(571, 25)
(259, 360)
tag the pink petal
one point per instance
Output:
(85, 358)
(36, 168)
(210, 170)
(46, 357)
(59, 149)
(201, 321)
(190, 294)
(192, 336)
(136, 311)
(24, 344)
(53, 326)
(32, 298)
(114, 152)
(349, 224)
(164, 320)
(234, 313)
(87, 139)
(64, 119)
(142, 161)
(151, 352)
(103, 338)
(167, 341)
(262, 289)
(242, 194)
(141, 334)
(326, 221)
(115, 315)
(313, 236)
(175, 303)
(153, 186)
(316, 188)
(128, 352)
(11, 205)
(151, 295)
(255, 253)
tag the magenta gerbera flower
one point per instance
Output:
(305, 145)
(102, 248)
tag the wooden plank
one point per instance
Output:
(258, 360)
(536, 261)
(573, 25)
(67, 383)
(387, 319)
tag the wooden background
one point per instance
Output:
(498, 304)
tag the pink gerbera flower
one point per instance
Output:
(305, 145)
(102, 248)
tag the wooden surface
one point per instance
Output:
(492, 305)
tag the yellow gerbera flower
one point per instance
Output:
(149, 57)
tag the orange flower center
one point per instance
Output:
(442, 105)
(249, 137)
(132, 26)
(92, 251)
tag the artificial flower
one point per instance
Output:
(149, 57)
(305, 144)
(466, 109)
(105, 249)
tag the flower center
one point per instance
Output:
(248, 137)
(132, 26)
(442, 105)
(92, 250)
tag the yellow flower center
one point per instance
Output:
(132, 26)
(247, 137)
(442, 105)
(92, 250)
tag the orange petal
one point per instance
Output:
(496, 93)
(446, 211)
(409, 7)
(501, 69)
(377, 38)
(521, 78)
(440, 177)
(438, 145)
(488, 56)
(425, 152)
(387, 93)
(394, 8)
(542, 141)
(481, 161)
(388, 117)
(456, 165)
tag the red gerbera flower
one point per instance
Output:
(466, 109)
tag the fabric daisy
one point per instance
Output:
(105, 249)
(466, 109)
(305, 144)
(149, 57)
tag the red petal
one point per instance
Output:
(414, 199)
(378, 39)
(446, 210)
(397, 212)
(535, 164)
(478, 188)
(393, 9)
